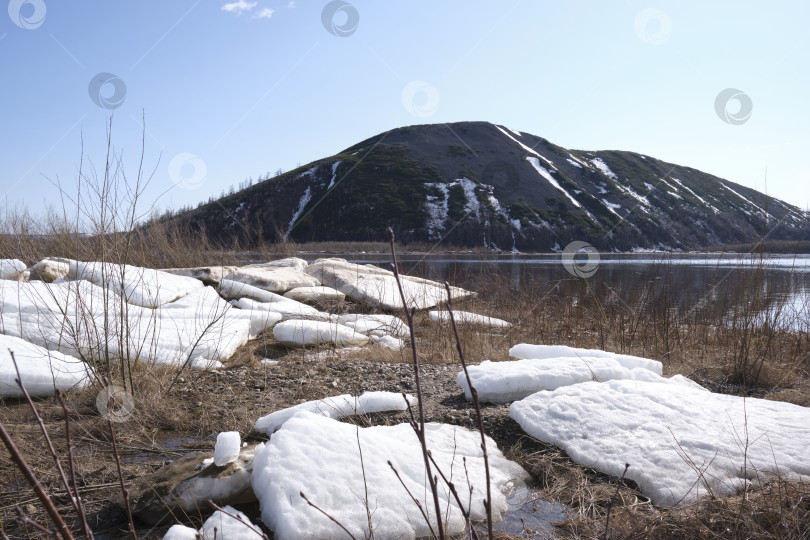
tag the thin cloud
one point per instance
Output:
(266, 13)
(239, 7)
(291, 4)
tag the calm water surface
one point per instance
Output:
(777, 286)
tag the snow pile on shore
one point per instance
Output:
(681, 442)
(319, 457)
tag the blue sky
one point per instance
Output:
(236, 89)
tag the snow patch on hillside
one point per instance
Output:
(437, 210)
(529, 150)
(602, 166)
(334, 174)
(542, 171)
(300, 210)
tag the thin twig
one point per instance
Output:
(46, 501)
(28, 521)
(72, 494)
(414, 499)
(124, 489)
(420, 433)
(474, 393)
(456, 496)
(88, 532)
(339, 524)
(612, 499)
(365, 484)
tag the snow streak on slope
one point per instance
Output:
(698, 197)
(529, 150)
(301, 205)
(334, 174)
(547, 175)
(602, 166)
(743, 198)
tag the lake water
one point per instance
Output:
(777, 287)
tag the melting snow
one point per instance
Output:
(602, 166)
(319, 457)
(305, 198)
(465, 318)
(529, 150)
(334, 174)
(437, 210)
(681, 441)
(547, 175)
(338, 407)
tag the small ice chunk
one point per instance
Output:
(180, 532)
(389, 342)
(300, 333)
(374, 325)
(338, 407)
(11, 268)
(315, 294)
(525, 350)
(227, 448)
(469, 319)
(502, 382)
(225, 524)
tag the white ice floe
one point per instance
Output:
(465, 318)
(374, 325)
(276, 279)
(227, 448)
(144, 287)
(378, 288)
(526, 350)
(210, 275)
(42, 371)
(315, 294)
(225, 524)
(337, 407)
(234, 290)
(502, 382)
(84, 320)
(11, 268)
(295, 263)
(290, 309)
(180, 532)
(50, 269)
(681, 442)
(389, 342)
(300, 333)
(320, 457)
